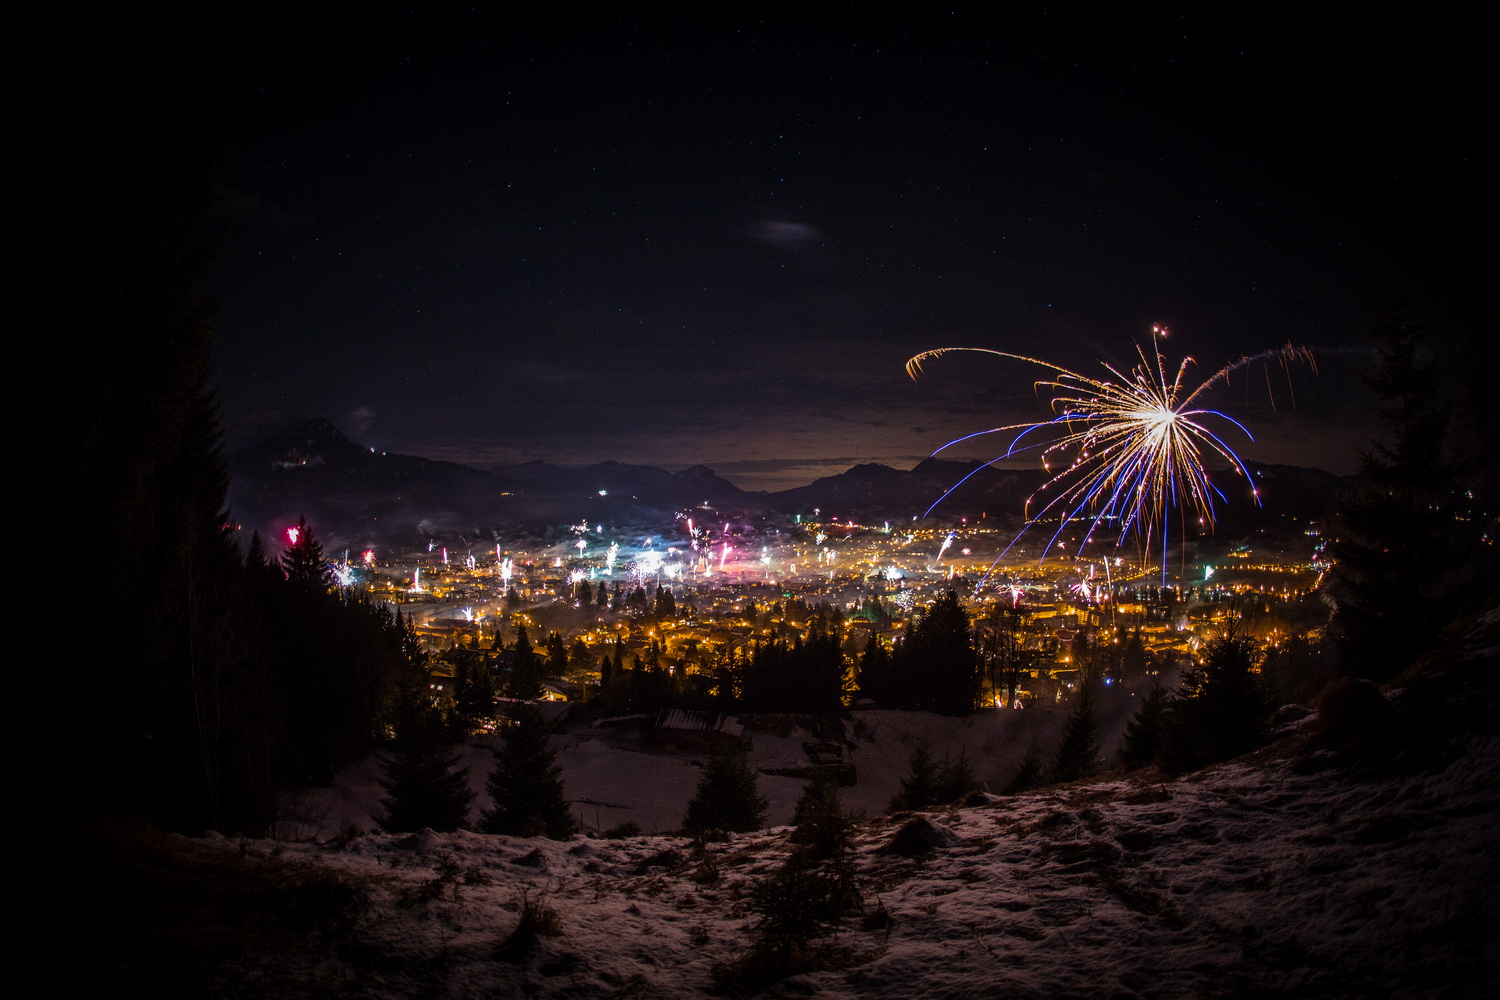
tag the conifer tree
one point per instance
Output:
(526, 785)
(580, 665)
(819, 796)
(727, 675)
(526, 668)
(255, 553)
(410, 695)
(1145, 732)
(424, 785)
(933, 782)
(727, 799)
(919, 788)
(1397, 554)
(936, 666)
(181, 701)
(998, 643)
(1029, 774)
(303, 561)
(1078, 754)
(1219, 712)
(1133, 658)
(824, 829)
(875, 678)
(955, 778)
(557, 655)
(476, 686)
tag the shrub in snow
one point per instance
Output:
(537, 920)
(799, 904)
(920, 835)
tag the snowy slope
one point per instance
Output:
(612, 778)
(1300, 871)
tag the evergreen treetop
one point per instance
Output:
(936, 665)
(526, 786)
(727, 798)
(424, 785)
(1399, 555)
(919, 788)
(303, 560)
(1078, 753)
(1219, 712)
(1029, 774)
(1144, 733)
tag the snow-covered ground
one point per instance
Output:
(613, 777)
(1291, 873)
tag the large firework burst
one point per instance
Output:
(1126, 450)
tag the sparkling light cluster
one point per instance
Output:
(1125, 449)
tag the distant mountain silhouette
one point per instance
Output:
(354, 495)
(871, 489)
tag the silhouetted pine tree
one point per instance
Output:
(581, 667)
(1219, 712)
(936, 666)
(727, 798)
(526, 668)
(424, 785)
(875, 677)
(1078, 753)
(303, 560)
(214, 741)
(795, 905)
(475, 677)
(557, 655)
(526, 785)
(919, 788)
(1029, 774)
(819, 795)
(179, 699)
(955, 778)
(824, 829)
(1398, 555)
(933, 782)
(1146, 730)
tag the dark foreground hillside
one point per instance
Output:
(1356, 857)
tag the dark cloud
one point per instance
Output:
(361, 419)
(787, 234)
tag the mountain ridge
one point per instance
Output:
(314, 469)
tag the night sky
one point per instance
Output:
(488, 239)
